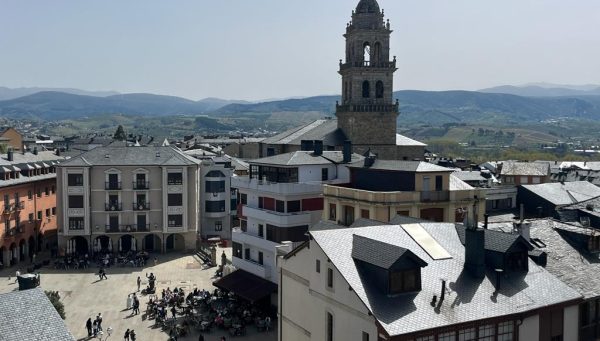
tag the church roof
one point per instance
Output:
(368, 6)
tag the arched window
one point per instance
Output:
(379, 89)
(367, 53)
(366, 89)
(377, 53)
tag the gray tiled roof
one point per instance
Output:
(378, 253)
(565, 193)
(468, 299)
(406, 166)
(325, 130)
(457, 184)
(495, 240)
(20, 158)
(29, 315)
(132, 156)
(469, 176)
(301, 158)
(572, 265)
(525, 168)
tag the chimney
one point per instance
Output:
(498, 280)
(521, 213)
(347, 151)
(474, 246)
(306, 145)
(318, 147)
(443, 294)
(10, 155)
(57, 151)
(35, 151)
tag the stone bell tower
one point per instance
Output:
(368, 114)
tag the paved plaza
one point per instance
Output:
(85, 296)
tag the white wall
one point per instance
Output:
(571, 323)
(530, 328)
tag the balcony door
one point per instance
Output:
(113, 222)
(113, 180)
(141, 222)
(140, 180)
(426, 184)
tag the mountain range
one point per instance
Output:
(416, 106)
(545, 90)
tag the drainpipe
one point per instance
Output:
(280, 308)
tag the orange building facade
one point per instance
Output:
(28, 206)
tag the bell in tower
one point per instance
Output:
(368, 114)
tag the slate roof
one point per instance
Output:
(379, 253)
(565, 193)
(29, 315)
(405, 166)
(570, 211)
(469, 175)
(132, 156)
(303, 158)
(20, 158)
(468, 299)
(569, 263)
(457, 184)
(495, 240)
(402, 140)
(525, 168)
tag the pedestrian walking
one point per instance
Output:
(88, 326)
(139, 282)
(103, 274)
(99, 320)
(17, 274)
(95, 328)
(201, 338)
(126, 337)
(136, 305)
(132, 335)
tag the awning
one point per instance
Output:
(246, 285)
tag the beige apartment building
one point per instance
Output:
(128, 198)
(381, 189)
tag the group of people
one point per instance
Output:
(94, 327)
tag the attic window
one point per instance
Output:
(158, 154)
(405, 281)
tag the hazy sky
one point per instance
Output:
(258, 49)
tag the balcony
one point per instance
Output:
(247, 238)
(141, 185)
(113, 206)
(435, 196)
(369, 64)
(277, 218)
(141, 206)
(130, 228)
(252, 267)
(113, 186)
(175, 182)
(368, 107)
(274, 187)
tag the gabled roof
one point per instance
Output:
(565, 193)
(29, 315)
(132, 156)
(497, 241)
(467, 299)
(525, 168)
(324, 130)
(381, 254)
(305, 158)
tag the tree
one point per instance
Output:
(54, 298)
(120, 134)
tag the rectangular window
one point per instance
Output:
(330, 278)
(215, 186)
(75, 179)
(47, 212)
(215, 206)
(53, 189)
(329, 327)
(175, 220)
(365, 336)
(536, 180)
(31, 217)
(39, 215)
(244, 225)
(237, 250)
(260, 258)
(318, 266)
(247, 254)
(450, 336)
(439, 183)
(244, 199)
(6, 201)
(505, 331)
(365, 214)
(405, 281)
(29, 195)
(293, 206)
(280, 206)
(487, 333)
(261, 230)
(218, 226)
(75, 201)
(467, 334)
(76, 223)
(174, 178)
(524, 180)
(324, 174)
(332, 212)
(175, 199)
(39, 193)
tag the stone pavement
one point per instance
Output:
(85, 296)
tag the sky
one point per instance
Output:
(264, 49)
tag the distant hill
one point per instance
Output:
(8, 93)
(52, 105)
(416, 107)
(543, 91)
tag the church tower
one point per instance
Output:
(367, 114)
